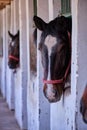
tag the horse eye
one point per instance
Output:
(46, 52)
(40, 46)
(53, 54)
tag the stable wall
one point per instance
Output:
(23, 60)
(25, 89)
(9, 79)
(32, 89)
(17, 76)
(3, 78)
(44, 106)
(14, 86)
(81, 59)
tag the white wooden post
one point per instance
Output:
(32, 90)
(55, 119)
(44, 106)
(1, 46)
(4, 56)
(79, 57)
(8, 14)
(10, 78)
(16, 15)
(23, 62)
(12, 17)
(56, 7)
(74, 67)
(17, 75)
(51, 10)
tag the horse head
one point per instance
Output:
(13, 51)
(83, 105)
(55, 51)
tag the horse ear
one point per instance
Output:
(69, 23)
(17, 33)
(40, 24)
(10, 34)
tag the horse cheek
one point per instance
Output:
(60, 89)
(44, 89)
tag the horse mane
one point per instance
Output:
(35, 36)
(33, 51)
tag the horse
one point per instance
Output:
(13, 51)
(55, 48)
(83, 105)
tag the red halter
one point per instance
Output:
(13, 57)
(59, 80)
(62, 80)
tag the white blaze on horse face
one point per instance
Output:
(12, 43)
(50, 41)
(49, 93)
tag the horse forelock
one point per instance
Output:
(50, 42)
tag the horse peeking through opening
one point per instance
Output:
(13, 51)
(55, 48)
(83, 105)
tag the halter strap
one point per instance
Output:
(62, 80)
(13, 57)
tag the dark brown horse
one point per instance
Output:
(83, 105)
(13, 51)
(55, 47)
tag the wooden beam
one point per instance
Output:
(3, 3)
(5, 0)
(2, 6)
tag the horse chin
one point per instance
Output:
(83, 110)
(85, 116)
(53, 92)
(54, 100)
(11, 66)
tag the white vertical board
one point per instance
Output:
(51, 10)
(10, 78)
(44, 106)
(32, 90)
(3, 81)
(81, 58)
(56, 7)
(74, 67)
(8, 16)
(1, 46)
(56, 109)
(23, 60)
(17, 75)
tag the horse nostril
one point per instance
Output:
(55, 93)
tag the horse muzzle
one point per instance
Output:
(53, 92)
